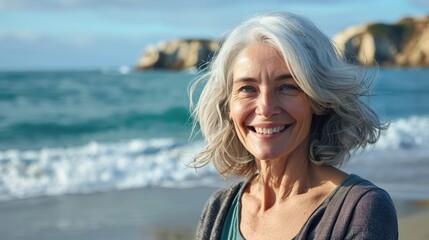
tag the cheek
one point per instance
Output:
(300, 110)
(241, 112)
(235, 110)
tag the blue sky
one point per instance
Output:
(94, 34)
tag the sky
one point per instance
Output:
(98, 34)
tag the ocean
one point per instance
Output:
(85, 132)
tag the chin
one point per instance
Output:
(268, 156)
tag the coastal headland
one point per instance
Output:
(404, 43)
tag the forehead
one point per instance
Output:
(259, 58)
(260, 51)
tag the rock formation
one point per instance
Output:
(177, 54)
(405, 43)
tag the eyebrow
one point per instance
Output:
(285, 76)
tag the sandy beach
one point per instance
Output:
(148, 214)
(414, 226)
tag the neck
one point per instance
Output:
(281, 179)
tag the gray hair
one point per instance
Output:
(334, 86)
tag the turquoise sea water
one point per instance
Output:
(89, 131)
(46, 109)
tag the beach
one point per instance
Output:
(149, 213)
(415, 226)
(87, 154)
(140, 214)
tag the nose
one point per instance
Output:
(267, 104)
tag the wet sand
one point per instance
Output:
(414, 225)
(149, 214)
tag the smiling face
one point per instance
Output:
(271, 114)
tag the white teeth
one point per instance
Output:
(269, 130)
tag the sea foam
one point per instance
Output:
(399, 162)
(98, 167)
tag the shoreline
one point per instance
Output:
(145, 213)
(414, 227)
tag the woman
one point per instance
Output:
(283, 109)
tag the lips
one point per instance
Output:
(268, 131)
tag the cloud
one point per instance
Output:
(73, 4)
(85, 29)
(39, 39)
(54, 4)
(421, 3)
(144, 4)
(20, 36)
(28, 51)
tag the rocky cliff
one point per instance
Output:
(404, 43)
(177, 54)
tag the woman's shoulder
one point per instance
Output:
(360, 210)
(220, 200)
(366, 210)
(215, 211)
(222, 194)
(374, 214)
(363, 189)
(356, 190)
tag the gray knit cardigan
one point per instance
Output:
(357, 209)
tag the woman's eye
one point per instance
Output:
(247, 89)
(289, 88)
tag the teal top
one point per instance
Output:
(231, 227)
(357, 209)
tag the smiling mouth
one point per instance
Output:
(268, 131)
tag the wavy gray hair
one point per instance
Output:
(334, 86)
